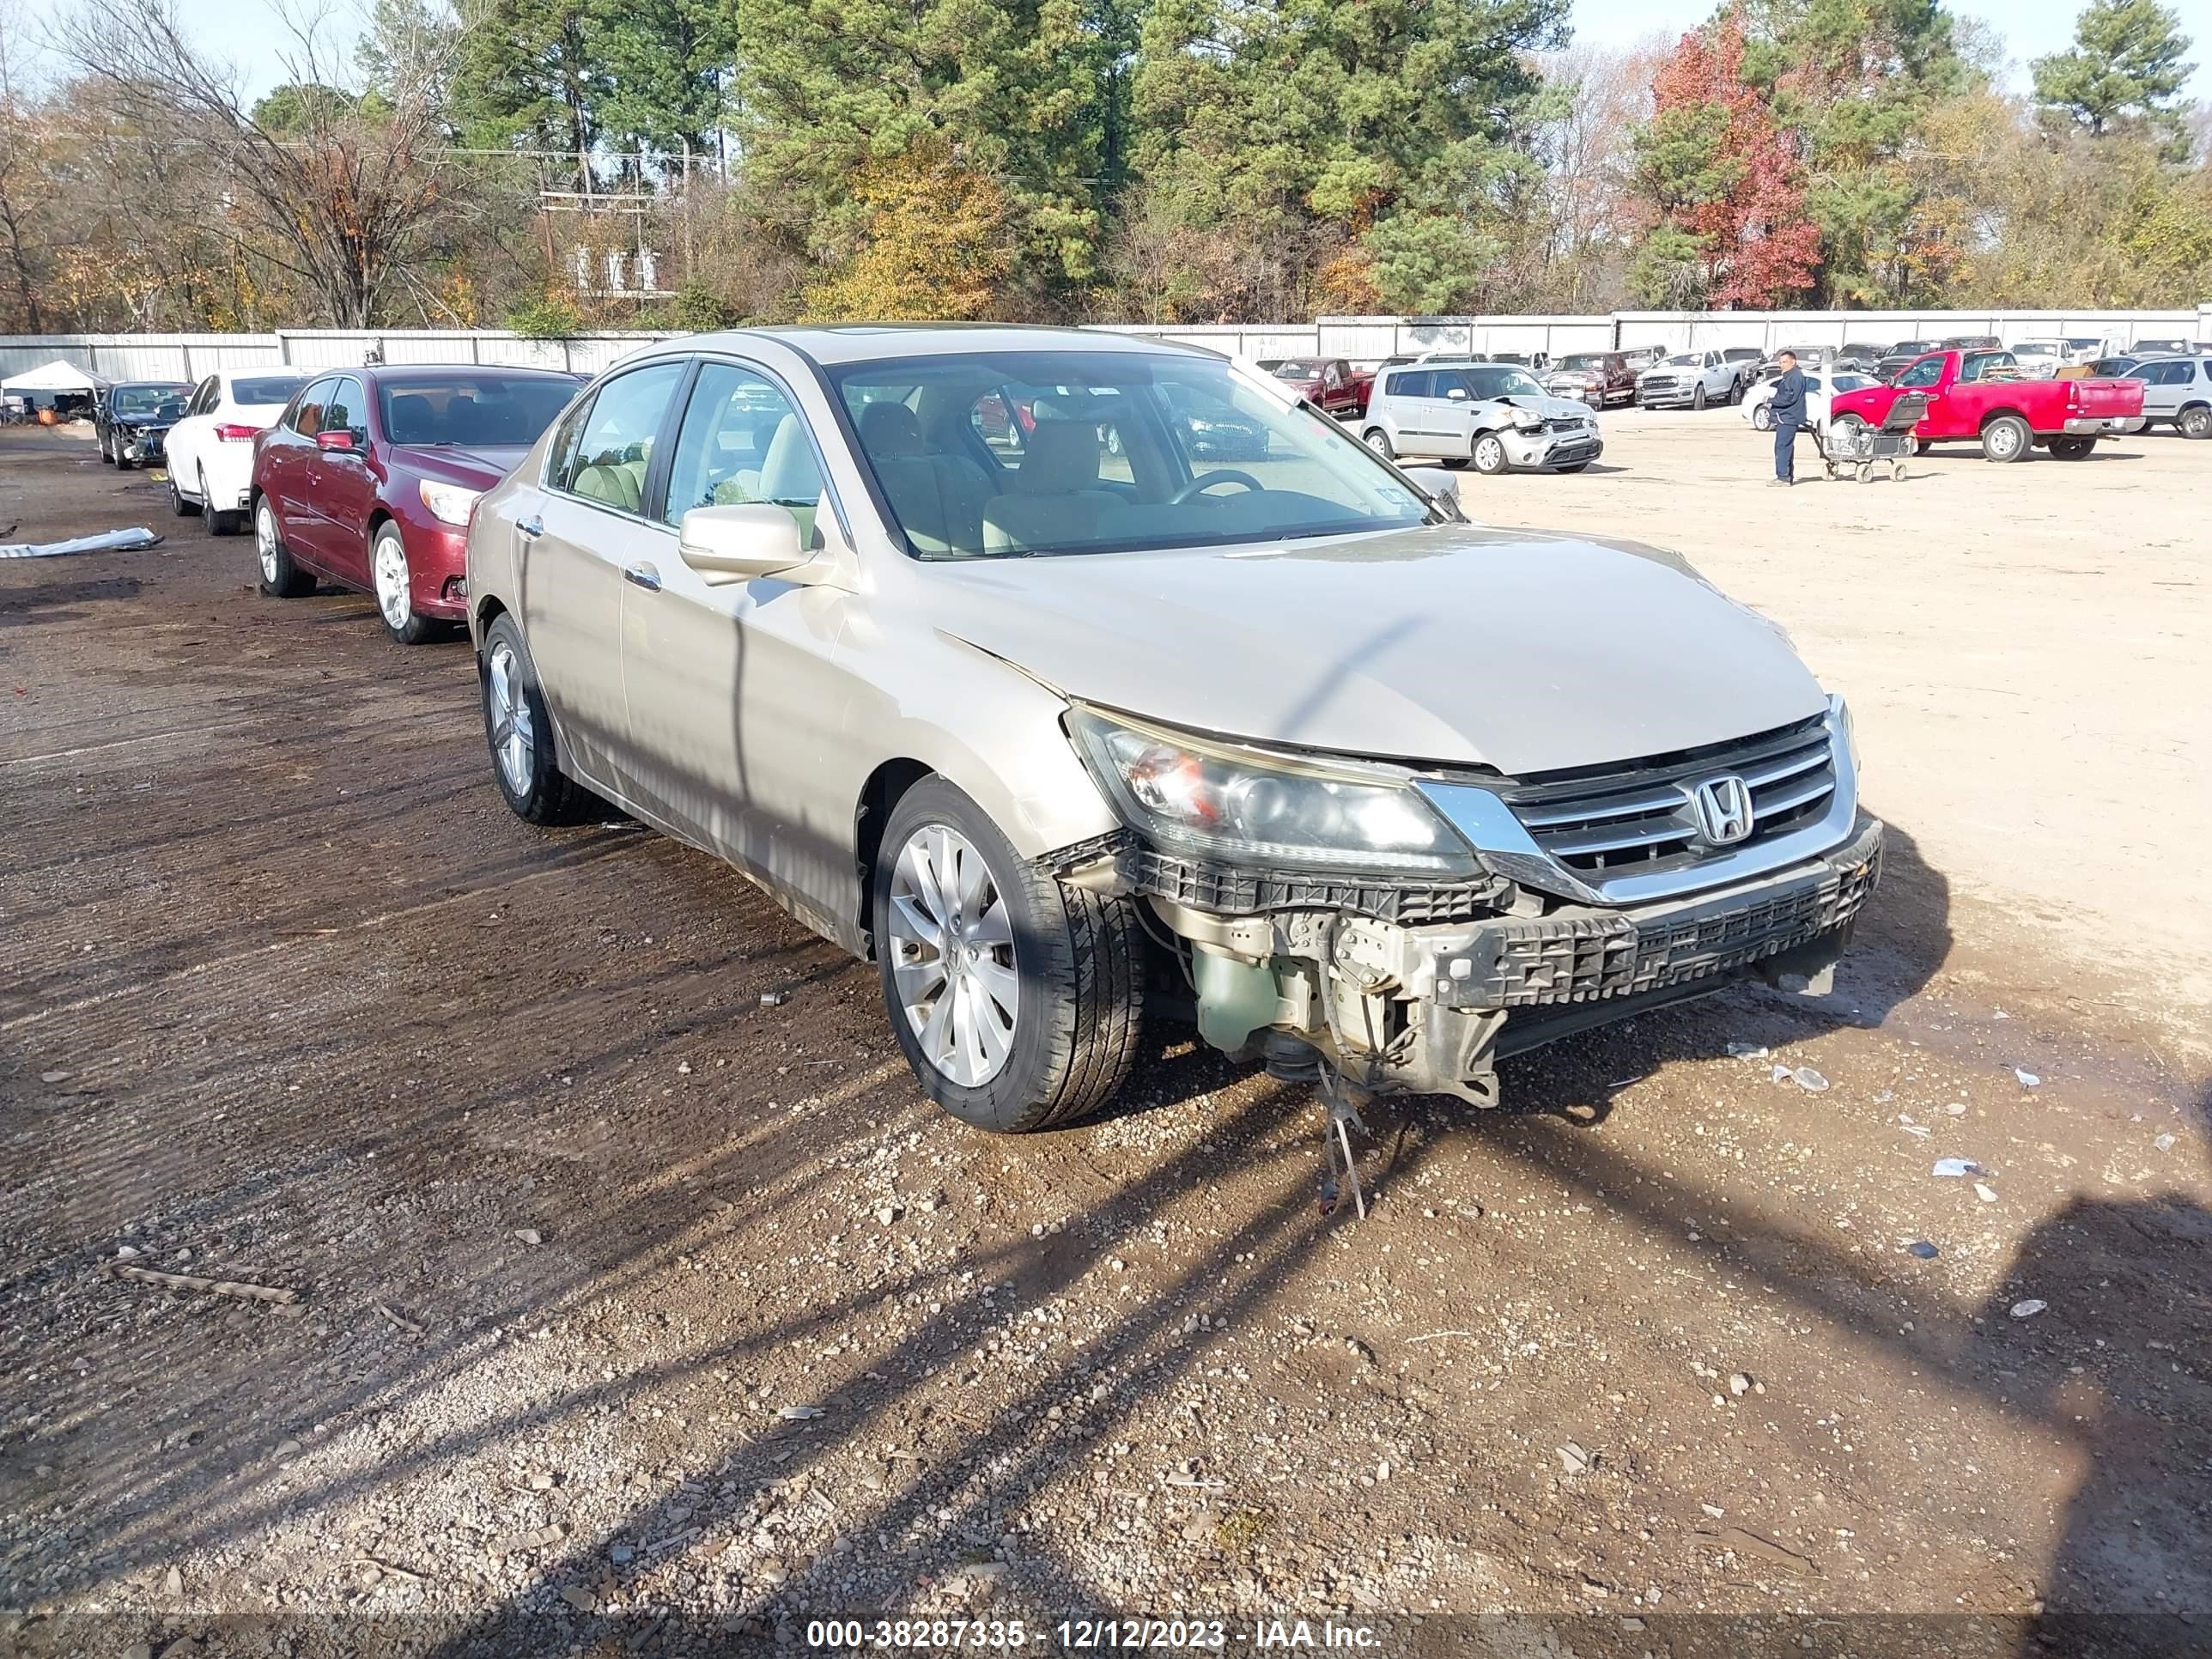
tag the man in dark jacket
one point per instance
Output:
(1788, 409)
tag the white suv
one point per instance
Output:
(1689, 380)
(1491, 414)
(210, 448)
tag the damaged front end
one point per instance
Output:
(1483, 915)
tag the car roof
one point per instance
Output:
(377, 372)
(831, 343)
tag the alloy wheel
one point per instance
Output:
(265, 539)
(953, 963)
(514, 734)
(392, 583)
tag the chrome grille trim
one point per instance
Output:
(1628, 833)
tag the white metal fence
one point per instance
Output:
(188, 356)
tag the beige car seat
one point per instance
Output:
(1055, 496)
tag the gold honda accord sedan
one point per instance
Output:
(1065, 674)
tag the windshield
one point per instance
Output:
(266, 388)
(149, 399)
(1006, 454)
(2034, 349)
(1582, 359)
(485, 411)
(1297, 371)
(1496, 380)
(1688, 359)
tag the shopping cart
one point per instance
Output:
(1850, 445)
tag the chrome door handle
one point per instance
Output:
(644, 575)
(529, 529)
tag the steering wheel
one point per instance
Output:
(1205, 480)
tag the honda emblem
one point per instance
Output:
(1723, 807)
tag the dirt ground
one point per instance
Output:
(636, 1315)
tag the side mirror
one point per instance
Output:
(728, 545)
(341, 440)
(1435, 481)
(1458, 392)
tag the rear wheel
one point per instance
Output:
(281, 578)
(2006, 439)
(1018, 999)
(2195, 421)
(1489, 455)
(219, 523)
(1379, 440)
(521, 733)
(2072, 449)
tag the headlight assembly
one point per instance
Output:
(449, 503)
(1253, 807)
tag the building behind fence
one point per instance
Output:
(1362, 339)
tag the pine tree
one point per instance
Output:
(1010, 93)
(2126, 67)
(1302, 127)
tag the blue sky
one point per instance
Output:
(248, 32)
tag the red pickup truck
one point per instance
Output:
(1977, 396)
(1330, 383)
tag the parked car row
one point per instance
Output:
(877, 617)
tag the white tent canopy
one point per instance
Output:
(59, 375)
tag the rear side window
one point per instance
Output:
(612, 451)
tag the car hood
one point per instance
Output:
(1456, 644)
(1560, 409)
(475, 468)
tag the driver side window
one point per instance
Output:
(307, 413)
(743, 443)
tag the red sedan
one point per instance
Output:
(368, 477)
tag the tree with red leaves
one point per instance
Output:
(1731, 226)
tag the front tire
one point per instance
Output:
(177, 504)
(1489, 456)
(1018, 999)
(281, 578)
(520, 732)
(1762, 419)
(1697, 397)
(394, 582)
(2006, 439)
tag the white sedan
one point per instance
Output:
(1817, 388)
(210, 448)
